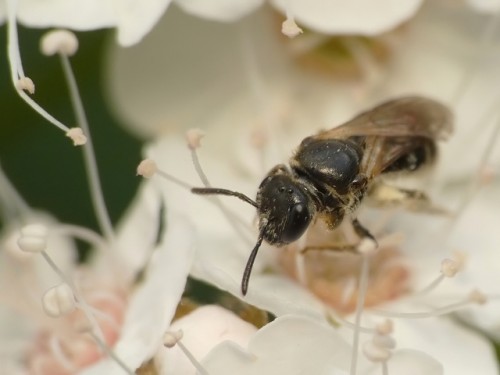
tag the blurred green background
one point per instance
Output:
(41, 162)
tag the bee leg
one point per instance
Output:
(363, 233)
(386, 196)
(334, 247)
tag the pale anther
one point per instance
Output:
(33, 238)
(386, 327)
(290, 28)
(26, 84)
(147, 168)
(367, 246)
(376, 353)
(171, 338)
(58, 301)
(77, 136)
(59, 41)
(193, 138)
(450, 267)
(478, 297)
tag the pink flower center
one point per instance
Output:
(68, 347)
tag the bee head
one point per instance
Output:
(285, 208)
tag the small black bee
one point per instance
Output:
(332, 171)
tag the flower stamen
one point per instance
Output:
(58, 301)
(34, 239)
(62, 42)
(475, 297)
(193, 137)
(172, 338)
(289, 27)
(19, 80)
(363, 286)
(96, 193)
(449, 268)
(59, 354)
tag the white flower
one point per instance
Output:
(353, 17)
(250, 131)
(296, 345)
(132, 19)
(202, 330)
(131, 319)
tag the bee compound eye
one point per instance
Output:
(297, 221)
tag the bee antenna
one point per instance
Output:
(218, 191)
(251, 259)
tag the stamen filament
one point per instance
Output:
(81, 233)
(231, 217)
(107, 350)
(192, 359)
(88, 152)
(78, 297)
(16, 68)
(58, 352)
(476, 183)
(425, 314)
(385, 368)
(175, 180)
(363, 287)
(331, 315)
(95, 331)
(429, 288)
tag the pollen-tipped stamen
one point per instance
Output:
(16, 68)
(289, 27)
(449, 268)
(171, 339)
(360, 304)
(96, 193)
(475, 297)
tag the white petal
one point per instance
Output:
(16, 337)
(459, 349)
(24, 278)
(136, 236)
(153, 305)
(441, 68)
(136, 18)
(432, 241)
(450, 343)
(185, 73)
(3, 12)
(202, 329)
(350, 17)
(74, 14)
(485, 6)
(219, 10)
(482, 270)
(288, 345)
(409, 362)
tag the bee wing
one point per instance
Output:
(412, 116)
(382, 152)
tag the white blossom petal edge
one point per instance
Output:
(349, 17)
(153, 306)
(296, 345)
